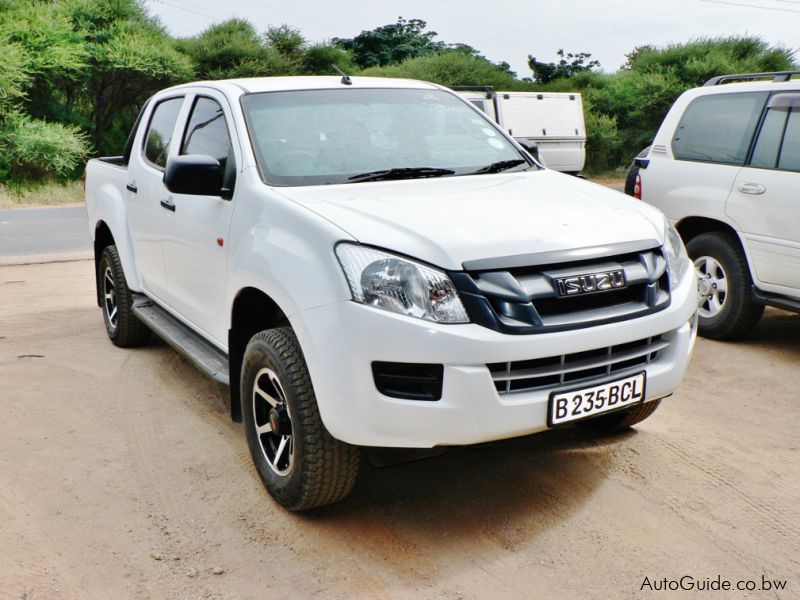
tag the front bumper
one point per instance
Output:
(340, 341)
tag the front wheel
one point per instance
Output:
(623, 419)
(301, 464)
(726, 310)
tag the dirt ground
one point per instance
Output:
(122, 476)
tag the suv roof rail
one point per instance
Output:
(777, 77)
(486, 89)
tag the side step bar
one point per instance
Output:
(776, 301)
(208, 359)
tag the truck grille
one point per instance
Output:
(531, 299)
(556, 371)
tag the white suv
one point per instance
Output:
(725, 168)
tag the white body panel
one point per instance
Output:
(770, 222)
(280, 241)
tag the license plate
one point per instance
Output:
(590, 401)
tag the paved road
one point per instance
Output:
(47, 230)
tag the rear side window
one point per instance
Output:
(207, 131)
(719, 128)
(159, 133)
(765, 154)
(790, 151)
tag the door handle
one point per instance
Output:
(169, 204)
(751, 188)
(131, 187)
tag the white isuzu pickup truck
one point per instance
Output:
(373, 262)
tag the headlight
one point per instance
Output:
(677, 259)
(400, 285)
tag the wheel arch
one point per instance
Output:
(252, 311)
(691, 227)
(102, 239)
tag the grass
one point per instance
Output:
(612, 176)
(44, 194)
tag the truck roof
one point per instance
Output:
(277, 84)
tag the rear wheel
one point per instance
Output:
(300, 463)
(726, 310)
(122, 326)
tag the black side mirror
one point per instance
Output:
(197, 174)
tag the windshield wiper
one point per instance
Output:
(502, 165)
(401, 173)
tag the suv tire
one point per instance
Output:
(301, 464)
(726, 311)
(122, 326)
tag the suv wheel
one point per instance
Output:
(300, 463)
(122, 326)
(726, 310)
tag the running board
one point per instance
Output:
(208, 359)
(776, 301)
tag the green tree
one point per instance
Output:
(130, 57)
(568, 65)
(39, 53)
(232, 49)
(391, 44)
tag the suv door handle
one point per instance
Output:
(131, 187)
(169, 204)
(751, 188)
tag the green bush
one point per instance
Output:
(449, 69)
(34, 150)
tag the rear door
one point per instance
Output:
(695, 174)
(146, 191)
(195, 241)
(765, 199)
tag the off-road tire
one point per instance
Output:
(739, 314)
(624, 418)
(324, 469)
(128, 331)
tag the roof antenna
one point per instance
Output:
(345, 77)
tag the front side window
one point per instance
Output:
(159, 132)
(207, 131)
(719, 128)
(318, 137)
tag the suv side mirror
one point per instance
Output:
(197, 174)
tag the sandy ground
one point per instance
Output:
(121, 476)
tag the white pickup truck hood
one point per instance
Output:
(450, 220)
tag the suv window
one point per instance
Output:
(207, 131)
(790, 152)
(719, 128)
(159, 132)
(765, 154)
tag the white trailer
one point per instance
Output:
(552, 122)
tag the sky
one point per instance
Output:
(510, 30)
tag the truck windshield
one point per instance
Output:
(317, 137)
